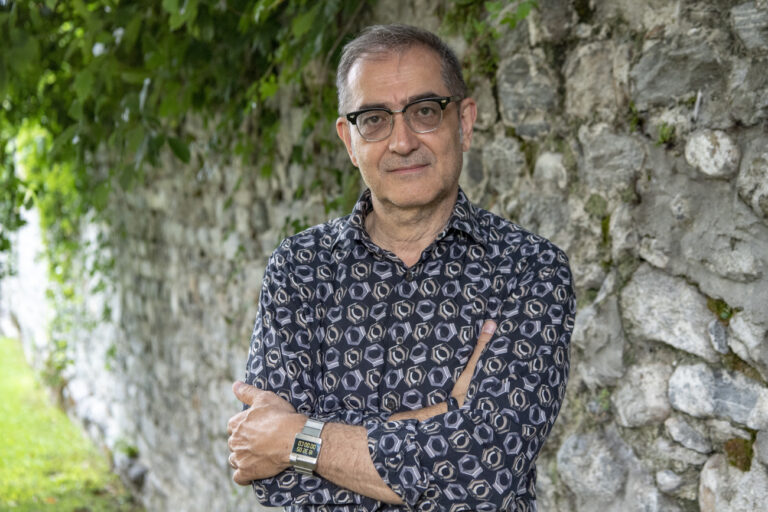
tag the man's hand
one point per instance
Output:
(461, 386)
(459, 391)
(261, 437)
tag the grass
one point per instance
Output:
(46, 464)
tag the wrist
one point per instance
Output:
(291, 426)
(306, 447)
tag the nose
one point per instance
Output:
(402, 140)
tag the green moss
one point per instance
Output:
(530, 151)
(596, 205)
(721, 309)
(605, 230)
(738, 452)
(634, 118)
(666, 134)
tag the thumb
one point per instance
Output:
(244, 392)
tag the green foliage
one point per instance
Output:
(721, 309)
(102, 88)
(481, 23)
(45, 462)
(666, 134)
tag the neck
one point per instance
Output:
(406, 232)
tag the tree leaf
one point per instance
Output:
(303, 22)
(180, 149)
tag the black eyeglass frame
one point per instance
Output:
(443, 101)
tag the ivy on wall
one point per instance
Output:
(94, 92)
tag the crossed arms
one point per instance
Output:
(513, 384)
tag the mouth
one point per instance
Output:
(405, 169)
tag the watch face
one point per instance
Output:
(306, 448)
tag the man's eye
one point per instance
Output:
(373, 120)
(426, 111)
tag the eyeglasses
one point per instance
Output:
(376, 124)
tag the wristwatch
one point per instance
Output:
(306, 447)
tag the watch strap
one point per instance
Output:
(306, 447)
(313, 427)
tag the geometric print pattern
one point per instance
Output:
(347, 333)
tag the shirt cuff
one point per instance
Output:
(397, 457)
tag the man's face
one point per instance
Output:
(407, 169)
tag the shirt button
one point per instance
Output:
(409, 275)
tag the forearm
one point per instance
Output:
(345, 461)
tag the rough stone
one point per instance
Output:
(504, 164)
(718, 336)
(748, 91)
(676, 455)
(527, 93)
(610, 162)
(486, 105)
(599, 334)
(590, 467)
(724, 488)
(604, 474)
(720, 431)
(749, 341)
(641, 398)
(704, 392)
(659, 307)
(682, 432)
(641, 15)
(590, 92)
(713, 153)
(666, 73)
(549, 173)
(668, 481)
(753, 179)
(715, 240)
(623, 233)
(761, 447)
(554, 27)
(750, 23)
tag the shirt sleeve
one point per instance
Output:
(481, 456)
(281, 360)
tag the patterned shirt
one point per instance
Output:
(347, 333)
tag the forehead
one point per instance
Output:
(392, 78)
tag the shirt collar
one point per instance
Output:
(464, 218)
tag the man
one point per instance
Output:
(413, 354)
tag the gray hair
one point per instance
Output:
(385, 39)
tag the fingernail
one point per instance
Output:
(489, 327)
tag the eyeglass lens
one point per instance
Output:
(421, 117)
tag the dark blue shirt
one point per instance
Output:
(347, 333)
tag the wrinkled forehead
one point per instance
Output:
(385, 54)
(396, 62)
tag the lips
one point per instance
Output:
(408, 168)
(405, 165)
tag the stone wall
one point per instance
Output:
(633, 133)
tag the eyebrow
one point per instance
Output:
(411, 99)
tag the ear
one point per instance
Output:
(345, 134)
(467, 120)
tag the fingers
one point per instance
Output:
(240, 477)
(486, 333)
(244, 392)
(461, 386)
